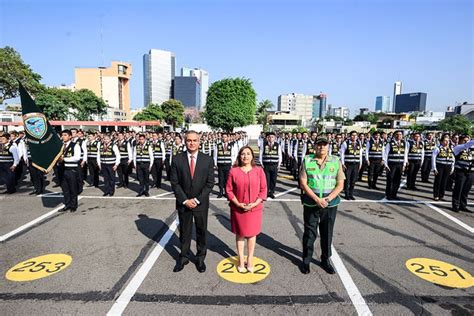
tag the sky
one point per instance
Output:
(351, 50)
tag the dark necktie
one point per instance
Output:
(191, 166)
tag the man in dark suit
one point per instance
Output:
(192, 179)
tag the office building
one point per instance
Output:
(320, 107)
(298, 104)
(397, 89)
(112, 84)
(411, 102)
(341, 111)
(382, 104)
(188, 91)
(203, 77)
(159, 68)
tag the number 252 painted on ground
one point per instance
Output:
(258, 268)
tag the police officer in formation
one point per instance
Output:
(143, 161)
(416, 154)
(395, 159)
(69, 169)
(442, 166)
(351, 159)
(108, 159)
(126, 157)
(158, 155)
(225, 154)
(9, 160)
(92, 148)
(270, 159)
(464, 173)
(36, 175)
(428, 146)
(374, 156)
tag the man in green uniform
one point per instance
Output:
(322, 179)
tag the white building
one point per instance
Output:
(159, 68)
(297, 104)
(341, 111)
(397, 89)
(427, 118)
(203, 77)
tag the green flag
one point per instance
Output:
(43, 141)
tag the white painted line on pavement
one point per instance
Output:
(132, 287)
(162, 194)
(403, 183)
(354, 293)
(454, 219)
(287, 191)
(32, 223)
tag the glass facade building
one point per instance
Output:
(411, 102)
(188, 91)
(159, 68)
(382, 104)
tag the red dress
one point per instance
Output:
(247, 187)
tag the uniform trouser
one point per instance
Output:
(93, 171)
(109, 178)
(8, 176)
(222, 174)
(271, 173)
(19, 171)
(351, 172)
(70, 186)
(394, 176)
(143, 175)
(440, 180)
(296, 168)
(186, 233)
(167, 167)
(462, 186)
(450, 182)
(426, 169)
(123, 172)
(374, 172)
(314, 217)
(58, 174)
(413, 168)
(80, 176)
(37, 177)
(157, 171)
(362, 169)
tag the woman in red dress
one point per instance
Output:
(246, 190)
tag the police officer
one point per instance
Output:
(322, 179)
(158, 155)
(143, 161)
(69, 169)
(126, 157)
(298, 147)
(224, 155)
(395, 159)
(168, 147)
(108, 159)
(270, 159)
(92, 147)
(416, 155)
(335, 145)
(9, 160)
(351, 160)
(428, 145)
(364, 165)
(443, 166)
(37, 176)
(373, 155)
(464, 173)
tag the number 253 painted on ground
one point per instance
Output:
(39, 267)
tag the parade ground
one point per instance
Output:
(116, 255)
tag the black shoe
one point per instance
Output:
(327, 266)
(140, 194)
(305, 269)
(375, 188)
(272, 196)
(219, 195)
(111, 194)
(201, 267)
(352, 198)
(105, 194)
(119, 186)
(347, 197)
(73, 209)
(33, 193)
(467, 210)
(180, 265)
(455, 209)
(64, 209)
(146, 194)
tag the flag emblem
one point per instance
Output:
(35, 124)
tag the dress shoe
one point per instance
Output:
(201, 267)
(305, 269)
(467, 210)
(352, 198)
(33, 193)
(327, 266)
(139, 194)
(105, 194)
(111, 194)
(146, 194)
(64, 209)
(180, 265)
(347, 197)
(73, 209)
(271, 196)
(454, 209)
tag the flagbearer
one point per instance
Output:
(9, 159)
(68, 167)
(108, 159)
(37, 176)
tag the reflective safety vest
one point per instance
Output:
(429, 146)
(270, 154)
(107, 156)
(397, 152)
(321, 182)
(465, 159)
(335, 146)
(415, 150)
(168, 147)
(157, 153)
(445, 155)
(177, 149)
(143, 154)
(123, 149)
(70, 153)
(224, 157)
(310, 147)
(300, 148)
(352, 153)
(375, 149)
(5, 154)
(92, 148)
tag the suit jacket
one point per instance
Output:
(185, 187)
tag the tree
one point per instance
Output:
(418, 128)
(12, 68)
(173, 112)
(458, 124)
(55, 103)
(230, 103)
(262, 112)
(335, 118)
(152, 112)
(88, 104)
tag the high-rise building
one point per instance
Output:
(159, 68)
(382, 104)
(111, 84)
(298, 104)
(411, 102)
(320, 107)
(341, 111)
(397, 89)
(188, 91)
(203, 77)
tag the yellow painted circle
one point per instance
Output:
(39, 267)
(227, 269)
(440, 272)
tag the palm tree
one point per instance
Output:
(262, 111)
